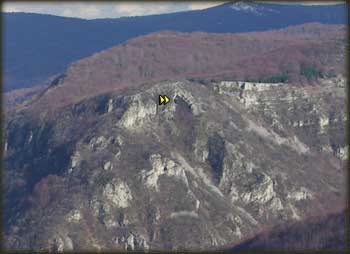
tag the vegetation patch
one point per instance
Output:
(282, 77)
(311, 72)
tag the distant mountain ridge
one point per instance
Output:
(38, 46)
(169, 55)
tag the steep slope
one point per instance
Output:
(290, 53)
(37, 47)
(118, 171)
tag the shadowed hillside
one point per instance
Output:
(327, 232)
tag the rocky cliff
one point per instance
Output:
(221, 161)
(315, 115)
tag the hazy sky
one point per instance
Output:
(91, 10)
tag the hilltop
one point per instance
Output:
(298, 55)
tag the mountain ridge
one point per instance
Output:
(19, 50)
(173, 55)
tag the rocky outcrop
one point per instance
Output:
(132, 242)
(118, 193)
(162, 167)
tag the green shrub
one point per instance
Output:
(282, 77)
(278, 78)
(311, 71)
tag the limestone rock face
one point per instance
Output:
(316, 116)
(74, 216)
(221, 161)
(61, 244)
(138, 112)
(163, 167)
(118, 193)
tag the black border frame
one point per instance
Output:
(347, 137)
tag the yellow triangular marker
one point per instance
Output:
(166, 99)
(161, 100)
